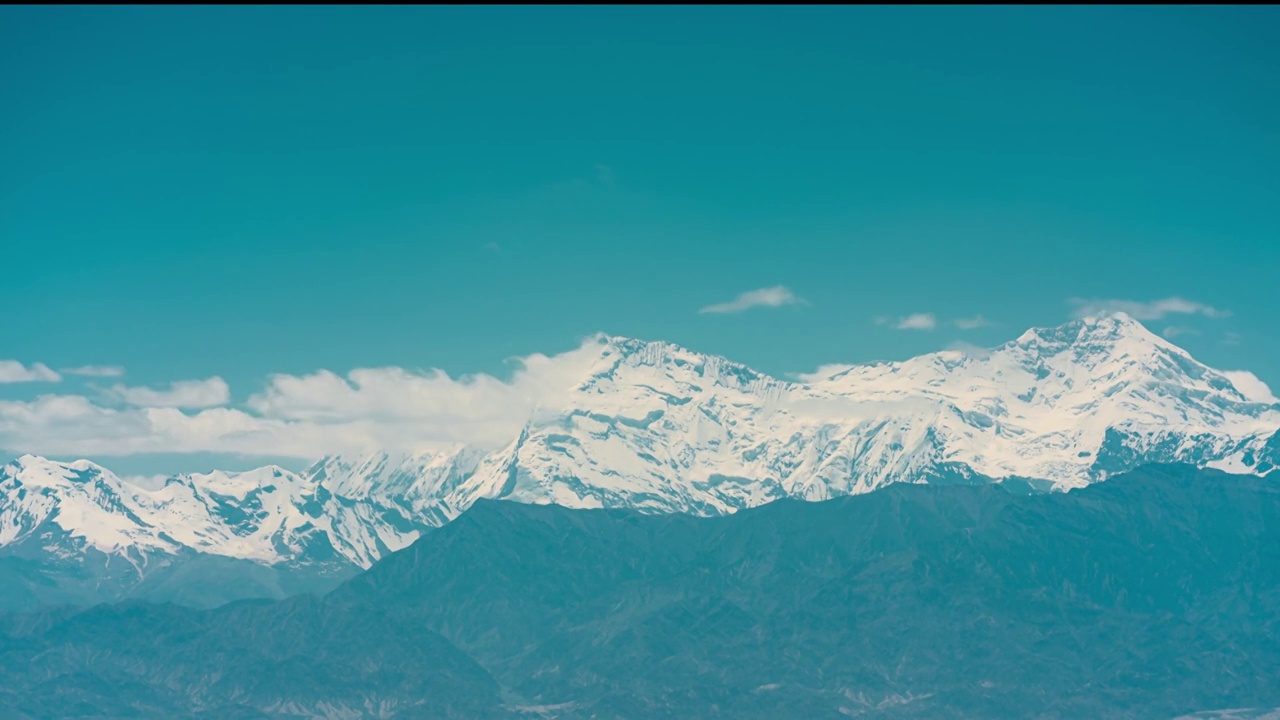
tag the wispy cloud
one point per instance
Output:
(969, 349)
(210, 392)
(95, 371)
(764, 297)
(12, 371)
(914, 321)
(1174, 331)
(1231, 338)
(918, 321)
(1139, 310)
(599, 177)
(1251, 386)
(973, 323)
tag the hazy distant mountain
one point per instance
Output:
(1154, 595)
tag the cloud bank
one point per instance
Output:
(299, 416)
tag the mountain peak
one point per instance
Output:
(1100, 332)
(635, 350)
(619, 356)
(34, 469)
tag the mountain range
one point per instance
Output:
(1155, 594)
(652, 427)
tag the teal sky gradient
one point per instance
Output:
(241, 191)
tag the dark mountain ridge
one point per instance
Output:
(1154, 594)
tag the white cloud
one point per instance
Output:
(12, 371)
(973, 323)
(95, 371)
(764, 297)
(1174, 331)
(1250, 386)
(74, 425)
(824, 372)
(478, 409)
(210, 392)
(918, 321)
(1153, 310)
(303, 416)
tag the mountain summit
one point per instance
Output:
(659, 428)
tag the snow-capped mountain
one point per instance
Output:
(75, 532)
(268, 515)
(415, 487)
(657, 427)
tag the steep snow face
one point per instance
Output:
(656, 427)
(414, 486)
(653, 426)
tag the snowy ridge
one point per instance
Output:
(657, 427)
(661, 428)
(268, 515)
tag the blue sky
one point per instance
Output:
(234, 192)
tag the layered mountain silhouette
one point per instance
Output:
(651, 427)
(1155, 594)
